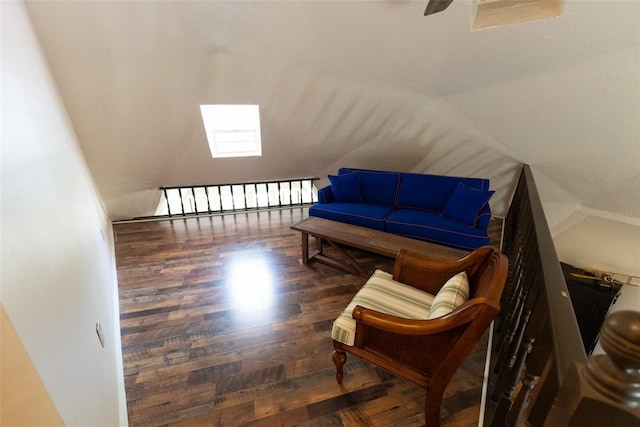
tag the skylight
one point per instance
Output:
(232, 130)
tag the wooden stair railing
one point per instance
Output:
(207, 199)
(239, 196)
(540, 373)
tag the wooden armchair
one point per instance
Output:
(424, 351)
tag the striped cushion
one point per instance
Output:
(386, 295)
(452, 295)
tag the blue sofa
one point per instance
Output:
(451, 211)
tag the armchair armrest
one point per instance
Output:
(417, 347)
(398, 325)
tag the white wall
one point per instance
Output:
(608, 245)
(587, 238)
(58, 275)
(605, 244)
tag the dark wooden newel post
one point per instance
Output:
(605, 391)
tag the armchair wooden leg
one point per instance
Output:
(432, 405)
(339, 359)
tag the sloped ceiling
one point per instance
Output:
(351, 83)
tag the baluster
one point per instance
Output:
(244, 194)
(206, 193)
(505, 346)
(217, 193)
(181, 202)
(255, 193)
(516, 412)
(268, 195)
(509, 353)
(279, 195)
(512, 309)
(528, 265)
(504, 404)
(166, 199)
(517, 259)
(514, 276)
(195, 202)
(233, 197)
(508, 296)
(300, 192)
(537, 315)
(537, 366)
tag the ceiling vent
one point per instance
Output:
(494, 13)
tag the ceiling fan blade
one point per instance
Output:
(435, 6)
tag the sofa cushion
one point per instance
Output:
(435, 228)
(451, 296)
(377, 187)
(365, 215)
(466, 203)
(346, 188)
(382, 293)
(432, 192)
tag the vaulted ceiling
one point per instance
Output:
(351, 83)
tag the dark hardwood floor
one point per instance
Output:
(222, 325)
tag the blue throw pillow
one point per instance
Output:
(465, 203)
(346, 188)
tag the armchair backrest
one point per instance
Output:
(486, 269)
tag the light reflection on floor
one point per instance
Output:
(250, 283)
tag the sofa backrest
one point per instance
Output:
(432, 192)
(379, 187)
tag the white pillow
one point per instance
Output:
(451, 296)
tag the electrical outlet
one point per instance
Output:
(100, 333)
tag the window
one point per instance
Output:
(232, 130)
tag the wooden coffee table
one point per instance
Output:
(338, 233)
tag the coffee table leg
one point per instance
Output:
(305, 248)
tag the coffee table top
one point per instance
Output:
(376, 241)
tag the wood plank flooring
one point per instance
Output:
(222, 325)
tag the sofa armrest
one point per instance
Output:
(484, 216)
(325, 195)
